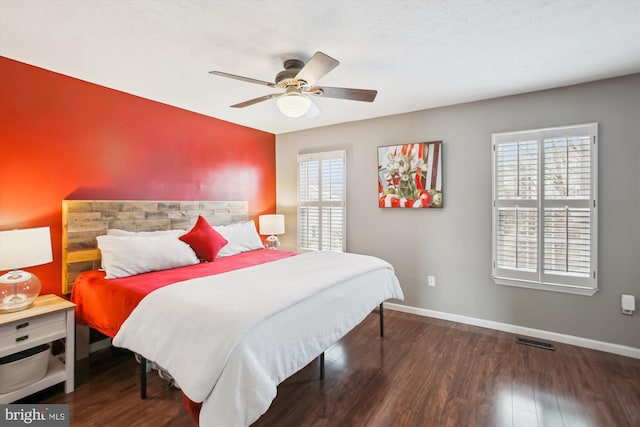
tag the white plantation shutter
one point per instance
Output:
(321, 201)
(567, 241)
(544, 221)
(517, 239)
(517, 170)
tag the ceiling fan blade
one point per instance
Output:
(318, 66)
(244, 79)
(255, 100)
(365, 95)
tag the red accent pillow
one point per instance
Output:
(204, 240)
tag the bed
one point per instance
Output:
(228, 330)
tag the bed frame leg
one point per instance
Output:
(143, 378)
(381, 334)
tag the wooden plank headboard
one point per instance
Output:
(83, 220)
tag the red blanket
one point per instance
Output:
(104, 304)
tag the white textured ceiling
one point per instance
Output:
(417, 54)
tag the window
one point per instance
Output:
(321, 201)
(544, 209)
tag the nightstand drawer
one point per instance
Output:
(25, 331)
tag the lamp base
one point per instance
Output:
(18, 290)
(272, 242)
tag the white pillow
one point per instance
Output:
(241, 237)
(124, 256)
(117, 232)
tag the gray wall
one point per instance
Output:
(454, 243)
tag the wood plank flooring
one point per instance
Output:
(424, 372)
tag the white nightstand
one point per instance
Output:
(51, 318)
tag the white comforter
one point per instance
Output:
(230, 339)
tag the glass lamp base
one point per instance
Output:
(18, 291)
(272, 242)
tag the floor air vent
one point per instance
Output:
(534, 343)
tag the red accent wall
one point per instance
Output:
(62, 137)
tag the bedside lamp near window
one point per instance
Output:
(19, 249)
(271, 225)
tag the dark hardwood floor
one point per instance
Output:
(424, 372)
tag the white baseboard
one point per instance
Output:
(521, 330)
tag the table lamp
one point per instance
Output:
(271, 225)
(19, 249)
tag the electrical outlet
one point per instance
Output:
(431, 280)
(628, 304)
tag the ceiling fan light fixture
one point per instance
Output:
(293, 104)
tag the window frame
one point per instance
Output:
(541, 279)
(342, 203)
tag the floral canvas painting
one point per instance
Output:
(410, 175)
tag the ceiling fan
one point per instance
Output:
(298, 79)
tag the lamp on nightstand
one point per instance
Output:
(19, 249)
(271, 225)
